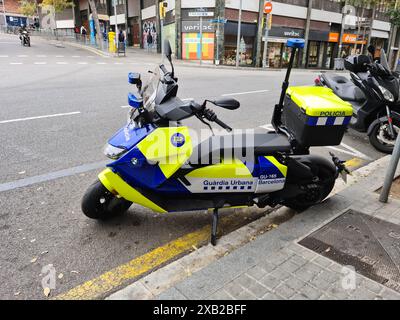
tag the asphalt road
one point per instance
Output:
(58, 107)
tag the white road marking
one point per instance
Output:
(89, 56)
(101, 63)
(61, 62)
(188, 99)
(76, 56)
(118, 63)
(82, 63)
(59, 56)
(3, 56)
(41, 56)
(22, 56)
(40, 62)
(15, 62)
(41, 117)
(268, 127)
(124, 107)
(242, 93)
(350, 151)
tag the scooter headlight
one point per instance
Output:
(387, 95)
(114, 152)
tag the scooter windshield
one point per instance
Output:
(150, 90)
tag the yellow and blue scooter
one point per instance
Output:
(158, 164)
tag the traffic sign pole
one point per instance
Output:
(201, 40)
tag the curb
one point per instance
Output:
(155, 283)
(80, 46)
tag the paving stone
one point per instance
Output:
(371, 285)
(388, 294)
(256, 272)
(284, 291)
(299, 296)
(164, 278)
(362, 294)
(269, 281)
(234, 289)
(220, 295)
(330, 277)
(295, 283)
(246, 295)
(289, 266)
(135, 291)
(281, 274)
(279, 258)
(308, 272)
(338, 292)
(267, 266)
(311, 292)
(320, 283)
(271, 296)
(251, 285)
(171, 294)
(298, 260)
(322, 261)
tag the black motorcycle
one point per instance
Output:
(373, 91)
(25, 38)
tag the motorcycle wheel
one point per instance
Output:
(327, 182)
(99, 203)
(380, 138)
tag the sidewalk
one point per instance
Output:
(274, 265)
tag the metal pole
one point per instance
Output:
(162, 43)
(238, 35)
(4, 14)
(394, 160)
(201, 40)
(265, 63)
(116, 25)
(217, 58)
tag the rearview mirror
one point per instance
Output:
(227, 103)
(167, 50)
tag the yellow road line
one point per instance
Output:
(354, 163)
(125, 273)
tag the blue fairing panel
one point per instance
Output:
(128, 136)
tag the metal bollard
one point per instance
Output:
(394, 160)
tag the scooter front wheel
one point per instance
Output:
(99, 203)
(380, 137)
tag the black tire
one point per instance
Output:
(377, 143)
(327, 179)
(99, 203)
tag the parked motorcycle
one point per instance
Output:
(158, 165)
(373, 92)
(25, 38)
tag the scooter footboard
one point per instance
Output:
(116, 185)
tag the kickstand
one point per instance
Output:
(214, 227)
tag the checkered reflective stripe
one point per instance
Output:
(328, 121)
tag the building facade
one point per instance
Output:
(213, 37)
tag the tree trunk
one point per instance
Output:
(95, 17)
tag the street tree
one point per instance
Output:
(58, 6)
(27, 8)
(99, 35)
(361, 6)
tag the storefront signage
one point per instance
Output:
(194, 26)
(201, 14)
(286, 32)
(347, 38)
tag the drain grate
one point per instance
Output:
(370, 245)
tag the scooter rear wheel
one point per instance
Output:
(99, 203)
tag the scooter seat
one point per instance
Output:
(245, 146)
(343, 87)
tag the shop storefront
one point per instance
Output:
(247, 44)
(149, 34)
(196, 45)
(278, 53)
(320, 52)
(348, 41)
